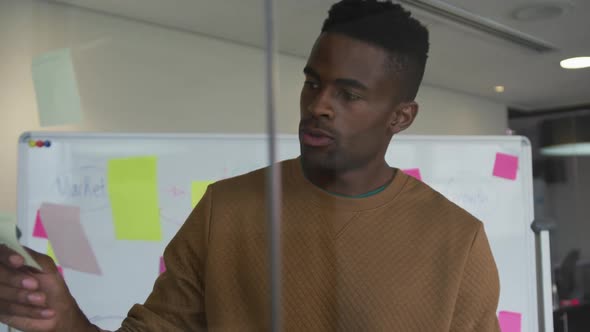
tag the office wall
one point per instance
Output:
(136, 77)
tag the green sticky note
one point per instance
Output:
(58, 100)
(8, 238)
(198, 189)
(133, 192)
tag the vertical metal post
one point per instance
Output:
(544, 283)
(274, 177)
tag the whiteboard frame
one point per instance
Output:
(545, 319)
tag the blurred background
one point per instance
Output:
(495, 68)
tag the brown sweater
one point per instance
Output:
(405, 259)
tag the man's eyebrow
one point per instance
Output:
(310, 72)
(348, 82)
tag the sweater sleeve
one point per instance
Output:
(477, 301)
(177, 299)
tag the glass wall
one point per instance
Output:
(184, 66)
(562, 191)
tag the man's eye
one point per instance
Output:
(311, 85)
(349, 96)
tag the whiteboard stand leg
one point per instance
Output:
(545, 284)
(545, 270)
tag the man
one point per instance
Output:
(364, 246)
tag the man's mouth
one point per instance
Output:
(316, 137)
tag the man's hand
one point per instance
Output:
(37, 301)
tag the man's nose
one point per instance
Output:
(321, 105)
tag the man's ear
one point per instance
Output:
(403, 116)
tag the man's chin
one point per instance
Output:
(316, 160)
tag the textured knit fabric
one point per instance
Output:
(405, 259)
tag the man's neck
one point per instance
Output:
(351, 182)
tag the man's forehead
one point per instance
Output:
(334, 52)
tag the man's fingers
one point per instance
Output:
(28, 324)
(10, 258)
(17, 278)
(45, 261)
(22, 296)
(21, 310)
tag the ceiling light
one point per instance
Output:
(539, 12)
(567, 150)
(499, 88)
(576, 63)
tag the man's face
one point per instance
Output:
(347, 103)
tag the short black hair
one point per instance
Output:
(387, 25)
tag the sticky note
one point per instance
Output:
(413, 172)
(8, 238)
(509, 321)
(505, 166)
(51, 253)
(162, 265)
(198, 189)
(39, 229)
(54, 79)
(67, 237)
(61, 271)
(133, 192)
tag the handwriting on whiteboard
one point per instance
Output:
(477, 197)
(83, 186)
(76, 186)
(473, 199)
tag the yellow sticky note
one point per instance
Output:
(133, 191)
(56, 89)
(198, 189)
(50, 252)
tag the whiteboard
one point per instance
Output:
(72, 171)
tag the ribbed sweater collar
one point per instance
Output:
(315, 195)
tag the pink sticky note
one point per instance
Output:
(162, 265)
(67, 237)
(39, 229)
(414, 172)
(509, 321)
(505, 166)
